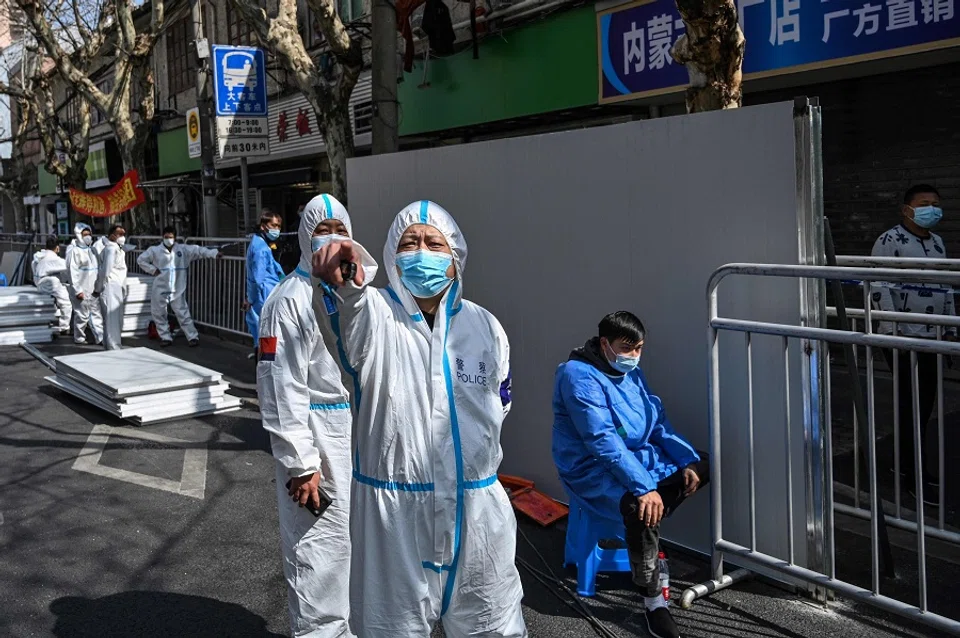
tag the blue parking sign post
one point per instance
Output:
(240, 94)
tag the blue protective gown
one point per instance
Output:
(611, 436)
(263, 274)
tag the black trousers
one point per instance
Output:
(643, 542)
(927, 384)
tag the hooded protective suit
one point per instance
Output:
(305, 406)
(82, 268)
(110, 286)
(47, 268)
(434, 532)
(263, 275)
(170, 284)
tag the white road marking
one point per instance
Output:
(193, 477)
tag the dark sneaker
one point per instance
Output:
(660, 624)
(166, 343)
(193, 343)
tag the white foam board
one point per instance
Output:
(133, 371)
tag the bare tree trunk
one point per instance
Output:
(20, 214)
(338, 138)
(132, 152)
(712, 50)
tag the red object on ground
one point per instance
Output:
(537, 505)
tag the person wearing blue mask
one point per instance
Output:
(434, 535)
(263, 270)
(617, 454)
(912, 238)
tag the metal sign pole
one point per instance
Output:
(245, 185)
(208, 175)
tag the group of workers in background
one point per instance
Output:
(89, 283)
(385, 407)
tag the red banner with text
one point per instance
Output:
(122, 197)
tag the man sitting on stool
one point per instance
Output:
(617, 453)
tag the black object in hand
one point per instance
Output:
(325, 502)
(348, 270)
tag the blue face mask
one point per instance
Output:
(623, 363)
(927, 216)
(424, 272)
(319, 241)
(273, 234)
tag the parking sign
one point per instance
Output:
(240, 81)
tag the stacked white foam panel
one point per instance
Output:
(26, 315)
(136, 309)
(143, 385)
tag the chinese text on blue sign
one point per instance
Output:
(239, 80)
(782, 35)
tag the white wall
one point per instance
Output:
(567, 227)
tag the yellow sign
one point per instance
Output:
(193, 132)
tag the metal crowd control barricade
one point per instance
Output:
(216, 288)
(819, 574)
(942, 323)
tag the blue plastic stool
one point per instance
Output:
(584, 532)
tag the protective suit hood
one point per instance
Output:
(78, 233)
(318, 209)
(432, 214)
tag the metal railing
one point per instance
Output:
(902, 518)
(813, 341)
(216, 288)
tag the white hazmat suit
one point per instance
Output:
(434, 533)
(110, 286)
(48, 267)
(170, 265)
(82, 268)
(305, 406)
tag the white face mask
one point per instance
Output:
(121, 240)
(87, 240)
(169, 242)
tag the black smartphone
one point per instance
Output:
(325, 502)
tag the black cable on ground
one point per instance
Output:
(577, 604)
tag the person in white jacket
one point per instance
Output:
(305, 404)
(169, 262)
(109, 288)
(434, 533)
(48, 268)
(82, 268)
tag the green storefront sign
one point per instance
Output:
(544, 67)
(173, 154)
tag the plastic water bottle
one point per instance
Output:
(664, 576)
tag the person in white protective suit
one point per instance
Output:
(82, 268)
(109, 288)
(305, 406)
(434, 533)
(48, 268)
(99, 245)
(170, 262)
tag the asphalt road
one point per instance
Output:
(83, 554)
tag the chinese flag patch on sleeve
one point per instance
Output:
(268, 348)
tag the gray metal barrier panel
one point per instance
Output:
(566, 227)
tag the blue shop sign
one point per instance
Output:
(783, 36)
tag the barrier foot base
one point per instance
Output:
(711, 586)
